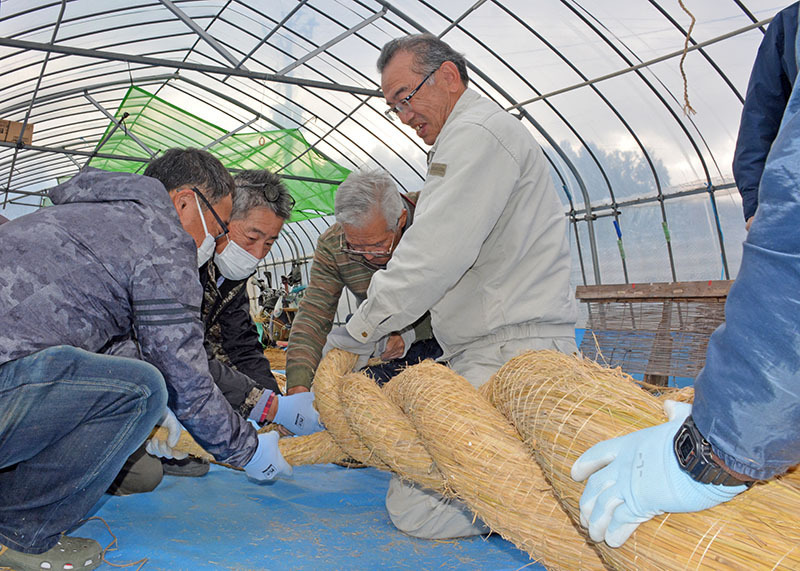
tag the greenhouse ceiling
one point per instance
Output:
(605, 86)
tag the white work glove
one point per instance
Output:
(267, 463)
(297, 413)
(635, 477)
(164, 448)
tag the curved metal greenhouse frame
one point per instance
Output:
(647, 188)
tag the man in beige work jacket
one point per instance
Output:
(497, 282)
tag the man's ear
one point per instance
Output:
(449, 72)
(182, 198)
(401, 222)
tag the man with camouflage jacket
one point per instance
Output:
(117, 255)
(261, 204)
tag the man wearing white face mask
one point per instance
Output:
(115, 258)
(261, 205)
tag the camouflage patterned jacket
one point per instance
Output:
(108, 261)
(231, 335)
(331, 272)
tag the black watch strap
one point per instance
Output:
(695, 456)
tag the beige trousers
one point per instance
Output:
(427, 514)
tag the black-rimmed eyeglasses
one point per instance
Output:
(271, 193)
(222, 225)
(404, 105)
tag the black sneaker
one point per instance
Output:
(189, 467)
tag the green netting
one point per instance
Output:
(161, 125)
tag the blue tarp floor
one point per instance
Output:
(323, 517)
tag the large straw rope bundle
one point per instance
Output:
(562, 405)
(429, 425)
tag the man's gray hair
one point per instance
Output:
(260, 188)
(362, 192)
(429, 53)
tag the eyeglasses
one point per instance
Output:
(348, 249)
(271, 193)
(405, 103)
(222, 225)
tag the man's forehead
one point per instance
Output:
(374, 223)
(398, 75)
(262, 220)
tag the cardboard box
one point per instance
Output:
(15, 128)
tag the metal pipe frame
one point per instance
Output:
(346, 34)
(183, 65)
(642, 65)
(215, 45)
(591, 211)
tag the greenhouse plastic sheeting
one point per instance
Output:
(153, 125)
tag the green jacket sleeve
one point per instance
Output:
(314, 318)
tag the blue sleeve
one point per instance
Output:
(771, 80)
(747, 397)
(166, 303)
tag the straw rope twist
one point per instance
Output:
(563, 404)
(430, 426)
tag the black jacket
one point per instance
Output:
(231, 337)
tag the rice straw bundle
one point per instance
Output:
(276, 357)
(428, 410)
(387, 431)
(486, 464)
(562, 405)
(326, 381)
(318, 448)
(280, 380)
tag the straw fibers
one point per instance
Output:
(431, 426)
(562, 405)
(276, 357)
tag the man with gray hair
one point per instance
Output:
(496, 282)
(261, 205)
(371, 218)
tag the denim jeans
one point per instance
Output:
(68, 421)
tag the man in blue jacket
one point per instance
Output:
(771, 81)
(744, 424)
(116, 256)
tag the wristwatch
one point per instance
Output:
(696, 458)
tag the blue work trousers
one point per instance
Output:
(68, 421)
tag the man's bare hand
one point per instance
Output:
(749, 223)
(298, 389)
(395, 347)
